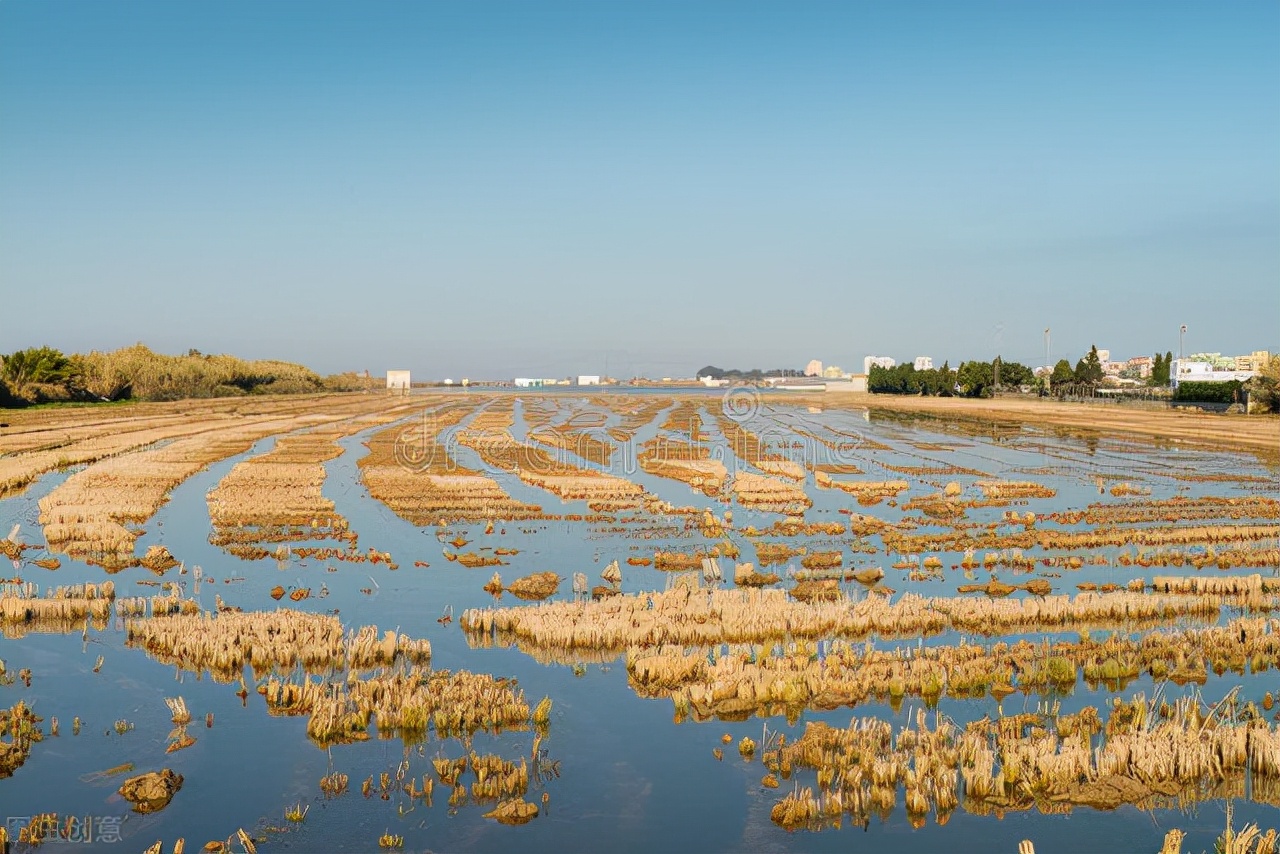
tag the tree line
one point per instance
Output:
(45, 374)
(982, 379)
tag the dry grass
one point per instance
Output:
(434, 487)
(95, 513)
(728, 616)
(277, 640)
(277, 496)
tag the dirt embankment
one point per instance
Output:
(1254, 432)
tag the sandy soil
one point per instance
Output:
(1253, 432)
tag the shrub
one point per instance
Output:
(1209, 392)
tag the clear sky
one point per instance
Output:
(538, 188)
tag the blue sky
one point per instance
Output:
(499, 189)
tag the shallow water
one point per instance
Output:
(630, 777)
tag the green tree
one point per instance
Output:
(1013, 374)
(975, 379)
(1089, 369)
(24, 371)
(1062, 373)
(1264, 389)
(1159, 371)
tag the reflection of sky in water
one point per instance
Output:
(630, 778)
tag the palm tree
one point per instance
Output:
(34, 366)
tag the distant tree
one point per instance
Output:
(1062, 373)
(899, 379)
(975, 378)
(1264, 389)
(945, 380)
(710, 371)
(1089, 369)
(1159, 371)
(1013, 374)
(24, 371)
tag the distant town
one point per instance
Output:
(1250, 381)
(1096, 367)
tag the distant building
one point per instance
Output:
(1140, 366)
(834, 372)
(1217, 361)
(1104, 356)
(586, 379)
(1255, 361)
(923, 363)
(529, 382)
(870, 362)
(853, 384)
(813, 369)
(1186, 371)
(398, 381)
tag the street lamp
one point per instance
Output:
(1048, 366)
(1182, 332)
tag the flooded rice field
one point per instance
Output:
(629, 622)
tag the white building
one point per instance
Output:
(853, 384)
(527, 382)
(587, 379)
(398, 381)
(869, 362)
(924, 363)
(813, 369)
(1187, 371)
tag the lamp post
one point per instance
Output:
(1182, 333)
(1048, 365)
